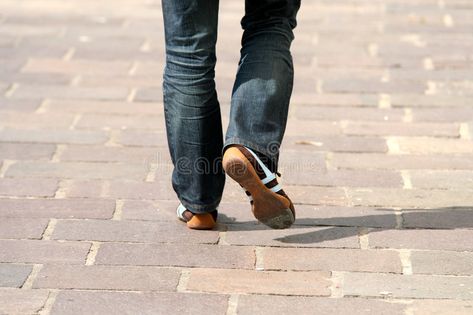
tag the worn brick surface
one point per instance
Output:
(377, 157)
(35, 251)
(76, 302)
(401, 286)
(13, 275)
(241, 281)
(17, 301)
(109, 278)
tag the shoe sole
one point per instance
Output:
(269, 208)
(201, 222)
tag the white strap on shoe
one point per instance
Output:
(180, 211)
(269, 176)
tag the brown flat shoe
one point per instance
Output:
(197, 221)
(270, 205)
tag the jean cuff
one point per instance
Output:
(199, 208)
(267, 150)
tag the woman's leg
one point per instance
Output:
(192, 111)
(264, 81)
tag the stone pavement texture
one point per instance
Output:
(378, 157)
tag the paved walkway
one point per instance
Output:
(378, 157)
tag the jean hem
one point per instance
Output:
(253, 146)
(199, 208)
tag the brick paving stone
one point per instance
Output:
(95, 303)
(13, 275)
(442, 263)
(327, 99)
(130, 231)
(48, 121)
(86, 153)
(26, 151)
(447, 179)
(440, 307)
(299, 236)
(161, 210)
(22, 228)
(140, 138)
(180, 255)
(352, 113)
(317, 195)
(78, 170)
(260, 282)
(103, 107)
(265, 304)
(335, 144)
(18, 301)
(34, 92)
(107, 278)
(402, 286)
(331, 259)
(18, 105)
(36, 251)
(439, 218)
(53, 136)
(76, 66)
(28, 187)
(347, 178)
(435, 146)
(93, 121)
(401, 162)
(457, 240)
(57, 208)
(401, 129)
(456, 114)
(297, 127)
(410, 198)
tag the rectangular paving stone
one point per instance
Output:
(38, 252)
(22, 228)
(131, 231)
(107, 278)
(270, 304)
(19, 301)
(456, 240)
(78, 170)
(400, 129)
(345, 178)
(96, 303)
(135, 155)
(354, 113)
(316, 195)
(259, 282)
(33, 120)
(76, 66)
(160, 210)
(402, 286)
(13, 275)
(335, 143)
(401, 162)
(34, 92)
(28, 187)
(26, 151)
(179, 255)
(103, 107)
(53, 136)
(442, 262)
(297, 236)
(145, 122)
(451, 179)
(438, 307)
(423, 145)
(456, 114)
(439, 218)
(410, 198)
(57, 208)
(331, 259)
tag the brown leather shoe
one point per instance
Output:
(270, 204)
(197, 221)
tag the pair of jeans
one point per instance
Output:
(260, 95)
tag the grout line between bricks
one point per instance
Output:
(406, 179)
(221, 238)
(183, 280)
(32, 277)
(92, 254)
(6, 164)
(328, 161)
(363, 237)
(43, 107)
(60, 148)
(405, 256)
(69, 54)
(431, 88)
(146, 46)
(232, 308)
(448, 21)
(61, 190)
(48, 231)
(319, 87)
(117, 214)
(75, 121)
(76, 80)
(131, 95)
(464, 131)
(48, 305)
(373, 49)
(133, 68)
(399, 219)
(407, 118)
(112, 140)
(393, 145)
(259, 258)
(336, 288)
(9, 92)
(384, 101)
(386, 77)
(428, 64)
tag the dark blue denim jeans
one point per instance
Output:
(260, 96)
